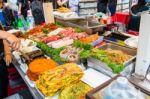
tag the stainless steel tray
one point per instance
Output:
(126, 50)
(82, 25)
(69, 19)
(98, 65)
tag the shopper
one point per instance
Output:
(112, 4)
(23, 7)
(102, 6)
(5, 54)
(134, 23)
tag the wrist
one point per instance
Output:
(7, 54)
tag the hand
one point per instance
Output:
(59, 3)
(5, 5)
(14, 41)
(8, 59)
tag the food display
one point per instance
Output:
(55, 32)
(117, 56)
(70, 32)
(71, 53)
(90, 38)
(61, 43)
(63, 9)
(53, 53)
(75, 91)
(52, 81)
(50, 26)
(41, 30)
(50, 39)
(66, 46)
(38, 66)
(28, 57)
(114, 59)
(37, 29)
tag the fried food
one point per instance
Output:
(90, 38)
(50, 26)
(38, 66)
(32, 76)
(52, 81)
(117, 56)
(63, 9)
(75, 91)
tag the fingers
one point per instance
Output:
(8, 60)
(16, 44)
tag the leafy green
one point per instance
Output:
(59, 24)
(102, 55)
(45, 30)
(77, 43)
(78, 29)
(52, 52)
(85, 54)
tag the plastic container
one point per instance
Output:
(121, 89)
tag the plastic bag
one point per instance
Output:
(122, 89)
(37, 11)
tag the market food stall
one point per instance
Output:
(73, 58)
(52, 57)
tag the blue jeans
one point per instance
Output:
(112, 9)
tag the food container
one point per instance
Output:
(99, 65)
(118, 38)
(98, 92)
(88, 27)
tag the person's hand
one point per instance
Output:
(8, 59)
(14, 42)
(59, 3)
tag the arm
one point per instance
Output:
(60, 3)
(64, 1)
(19, 8)
(7, 52)
(13, 41)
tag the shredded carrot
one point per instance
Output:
(39, 66)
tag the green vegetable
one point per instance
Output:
(78, 29)
(59, 24)
(102, 55)
(45, 30)
(52, 52)
(85, 54)
(117, 68)
(77, 43)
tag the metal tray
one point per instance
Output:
(87, 29)
(69, 19)
(126, 50)
(101, 66)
